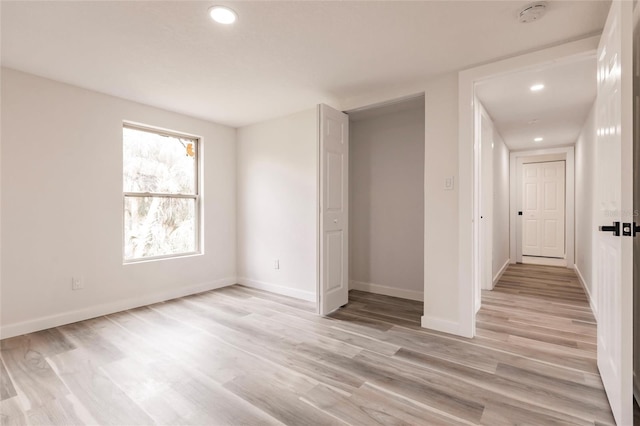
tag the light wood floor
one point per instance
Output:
(247, 357)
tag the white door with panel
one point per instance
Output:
(613, 202)
(543, 208)
(334, 213)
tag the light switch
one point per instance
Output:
(448, 183)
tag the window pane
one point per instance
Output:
(158, 163)
(158, 226)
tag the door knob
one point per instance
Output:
(615, 229)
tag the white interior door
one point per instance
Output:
(543, 189)
(334, 214)
(613, 255)
(636, 199)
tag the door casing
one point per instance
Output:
(516, 159)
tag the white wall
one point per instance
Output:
(494, 202)
(386, 205)
(277, 204)
(585, 165)
(62, 206)
(441, 257)
(500, 206)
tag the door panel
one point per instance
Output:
(544, 209)
(334, 265)
(530, 237)
(613, 201)
(334, 178)
(551, 196)
(334, 160)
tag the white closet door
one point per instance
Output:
(334, 213)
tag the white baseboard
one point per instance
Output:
(594, 310)
(309, 296)
(438, 324)
(500, 272)
(42, 323)
(545, 261)
(387, 291)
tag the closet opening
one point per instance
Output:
(386, 205)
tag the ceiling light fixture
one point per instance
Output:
(223, 15)
(538, 139)
(536, 87)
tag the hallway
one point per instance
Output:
(542, 312)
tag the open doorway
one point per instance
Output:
(520, 135)
(608, 130)
(386, 198)
(383, 199)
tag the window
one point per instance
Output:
(161, 197)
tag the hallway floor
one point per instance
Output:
(542, 312)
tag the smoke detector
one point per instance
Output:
(532, 12)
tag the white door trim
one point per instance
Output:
(515, 161)
(468, 243)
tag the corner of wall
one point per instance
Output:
(439, 324)
(497, 277)
(592, 302)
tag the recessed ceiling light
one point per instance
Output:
(223, 15)
(537, 87)
(538, 139)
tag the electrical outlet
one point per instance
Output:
(276, 264)
(77, 283)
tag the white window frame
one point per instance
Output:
(197, 237)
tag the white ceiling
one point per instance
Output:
(279, 57)
(559, 110)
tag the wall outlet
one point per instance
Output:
(276, 264)
(77, 283)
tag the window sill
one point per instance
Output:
(161, 258)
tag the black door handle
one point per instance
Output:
(615, 229)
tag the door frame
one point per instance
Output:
(468, 162)
(516, 159)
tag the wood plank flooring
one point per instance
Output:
(239, 356)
